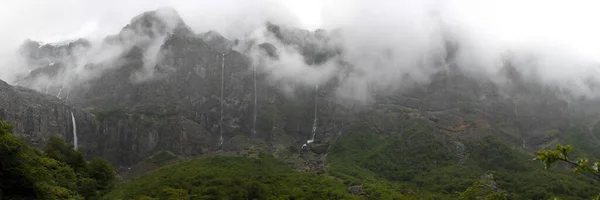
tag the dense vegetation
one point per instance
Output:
(561, 153)
(410, 163)
(59, 172)
(415, 162)
(227, 177)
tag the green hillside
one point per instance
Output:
(412, 164)
(57, 172)
(228, 177)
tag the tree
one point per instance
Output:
(169, 193)
(60, 172)
(560, 153)
(59, 150)
(485, 188)
(103, 173)
(27, 174)
(13, 178)
(479, 190)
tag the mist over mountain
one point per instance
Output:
(402, 39)
(388, 91)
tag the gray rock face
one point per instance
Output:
(155, 24)
(317, 47)
(200, 89)
(217, 42)
(36, 117)
(43, 54)
(270, 50)
(356, 190)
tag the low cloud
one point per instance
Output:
(380, 45)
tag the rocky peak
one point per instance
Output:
(270, 50)
(158, 23)
(38, 53)
(217, 42)
(199, 95)
(29, 45)
(316, 46)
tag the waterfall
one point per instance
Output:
(72, 81)
(59, 91)
(314, 127)
(74, 131)
(69, 92)
(48, 86)
(255, 108)
(222, 88)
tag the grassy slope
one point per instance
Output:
(414, 162)
(227, 177)
(410, 162)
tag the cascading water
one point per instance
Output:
(74, 131)
(71, 83)
(59, 91)
(314, 127)
(221, 120)
(48, 86)
(68, 93)
(255, 108)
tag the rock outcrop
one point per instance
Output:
(36, 117)
(169, 89)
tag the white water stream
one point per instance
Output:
(314, 127)
(48, 86)
(222, 88)
(74, 131)
(255, 108)
(59, 91)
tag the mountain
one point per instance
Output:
(156, 86)
(36, 117)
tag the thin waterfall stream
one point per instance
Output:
(314, 127)
(74, 131)
(222, 88)
(48, 86)
(59, 91)
(255, 104)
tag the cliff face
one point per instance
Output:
(36, 117)
(200, 96)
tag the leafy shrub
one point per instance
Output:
(58, 173)
(226, 177)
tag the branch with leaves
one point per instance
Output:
(560, 153)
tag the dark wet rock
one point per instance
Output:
(270, 50)
(38, 54)
(217, 42)
(356, 190)
(36, 117)
(317, 47)
(178, 108)
(156, 23)
(319, 148)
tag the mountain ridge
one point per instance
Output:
(167, 88)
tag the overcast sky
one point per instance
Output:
(49, 21)
(564, 33)
(570, 22)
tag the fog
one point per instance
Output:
(49, 21)
(388, 43)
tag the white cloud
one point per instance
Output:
(385, 39)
